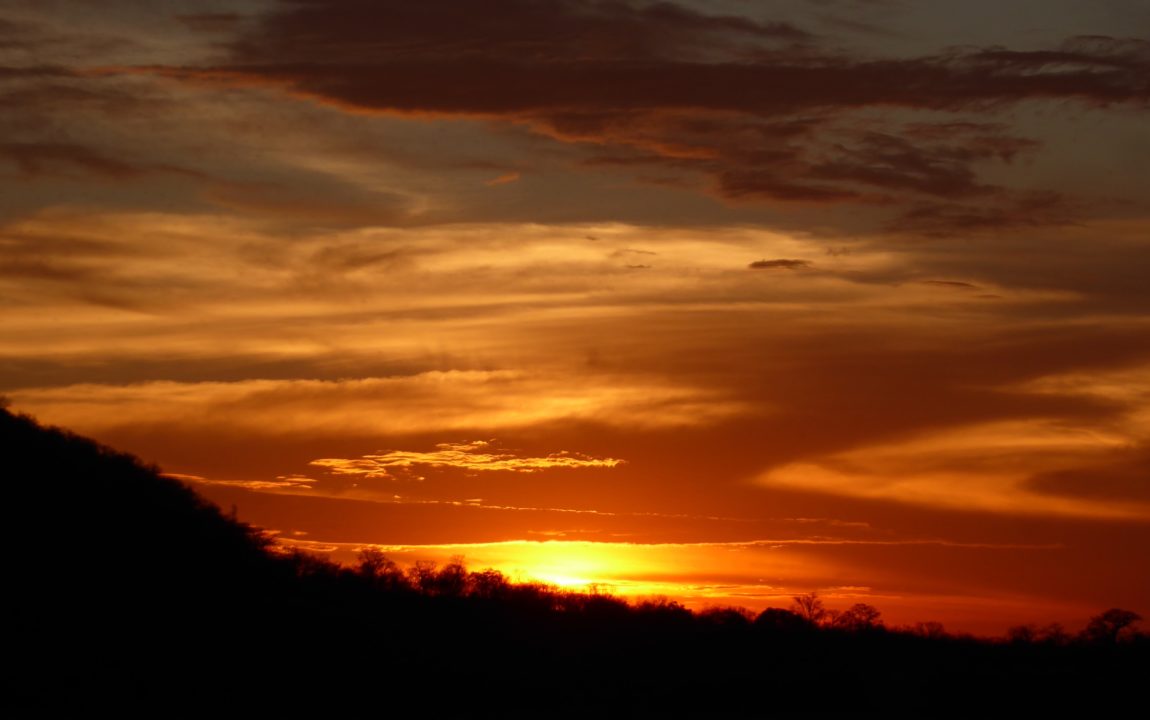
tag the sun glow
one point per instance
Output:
(752, 573)
(570, 564)
(701, 575)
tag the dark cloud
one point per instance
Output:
(1080, 54)
(313, 200)
(25, 40)
(37, 71)
(817, 160)
(518, 55)
(779, 264)
(46, 95)
(22, 37)
(211, 22)
(1008, 211)
(522, 32)
(758, 108)
(532, 58)
(856, 26)
(36, 159)
(768, 184)
(931, 167)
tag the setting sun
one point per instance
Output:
(723, 302)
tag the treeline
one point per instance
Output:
(126, 591)
(806, 613)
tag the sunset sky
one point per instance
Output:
(715, 299)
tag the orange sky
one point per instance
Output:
(717, 300)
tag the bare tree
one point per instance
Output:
(810, 607)
(859, 616)
(422, 575)
(381, 571)
(373, 563)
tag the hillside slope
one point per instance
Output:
(127, 591)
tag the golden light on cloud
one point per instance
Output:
(431, 401)
(503, 179)
(1129, 386)
(477, 455)
(982, 467)
(908, 299)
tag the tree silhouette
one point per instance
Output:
(488, 584)
(810, 607)
(451, 580)
(1111, 626)
(728, 618)
(779, 620)
(422, 576)
(858, 617)
(173, 601)
(931, 629)
(1052, 634)
(380, 571)
(1022, 634)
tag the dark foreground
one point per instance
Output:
(127, 592)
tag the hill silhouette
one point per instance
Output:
(127, 591)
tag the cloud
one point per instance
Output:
(986, 467)
(426, 402)
(941, 163)
(22, 39)
(315, 201)
(410, 327)
(766, 111)
(504, 179)
(902, 137)
(587, 55)
(211, 22)
(951, 284)
(1007, 211)
(282, 483)
(779, 264)
(1122, 476)
(478, 455)
(34, 159)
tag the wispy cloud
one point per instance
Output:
(958, 284)
(478, 455)
(282, 483)
(779, 264)
(425, 402)
(987, 467)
